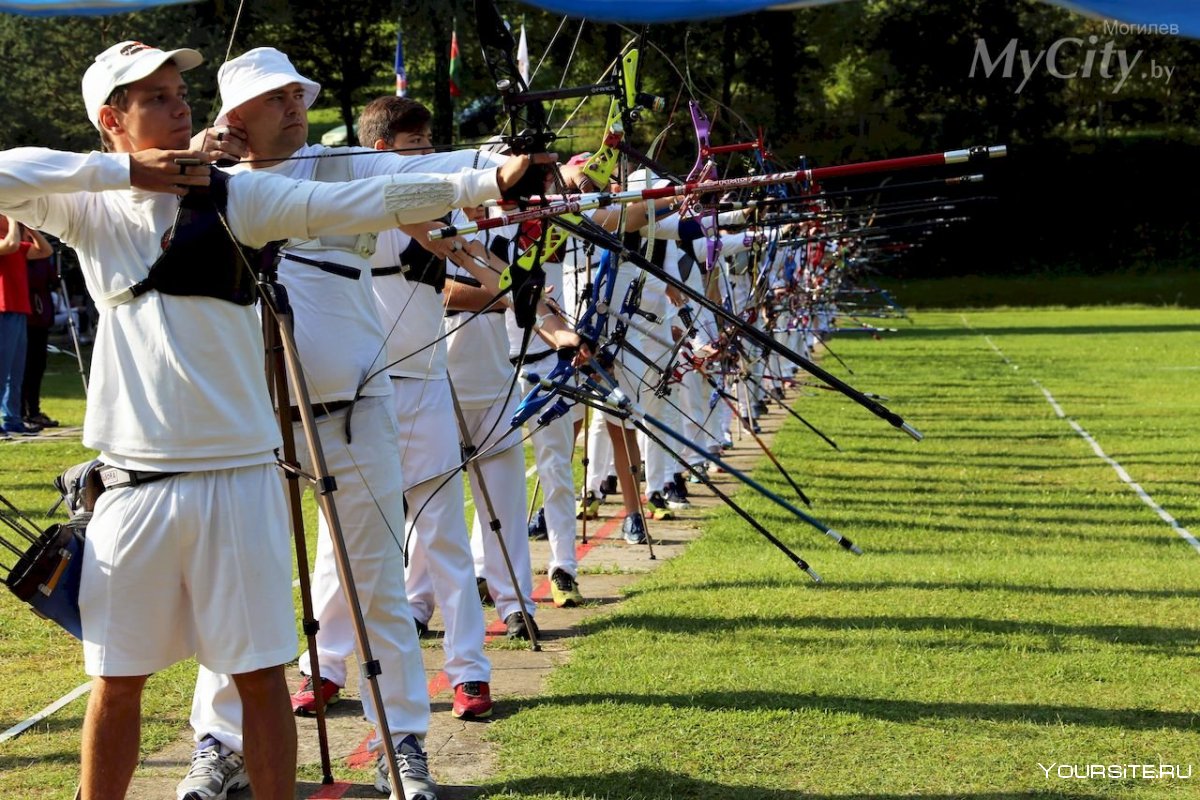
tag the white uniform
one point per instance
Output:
(553, 443)
(439, 549)
(341, 344)
(143, 604)
(483, 382)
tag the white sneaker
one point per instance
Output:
(418, 784)
(215, 772)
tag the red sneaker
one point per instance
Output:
(304, 701)
(472, 699)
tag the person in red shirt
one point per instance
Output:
(42, 275)
(14, 311)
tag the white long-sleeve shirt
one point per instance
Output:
(177, 382)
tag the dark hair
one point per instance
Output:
(386, 116)
(119, 99)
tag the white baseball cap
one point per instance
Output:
(125, 63)
(255, 72)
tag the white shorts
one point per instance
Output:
(198, 564)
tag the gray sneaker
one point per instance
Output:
(216, 770)
(414, 772)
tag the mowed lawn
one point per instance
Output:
(1016, 606)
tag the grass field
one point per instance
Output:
(1017, 604)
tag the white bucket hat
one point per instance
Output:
(125, 63)
(255, 72)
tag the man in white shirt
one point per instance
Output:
(178, 408)
(340, 341)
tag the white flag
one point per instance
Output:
(523, 56)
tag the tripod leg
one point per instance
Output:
(278, 382)
(325, 486)
(493, 518)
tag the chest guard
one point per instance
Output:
(336, 169)
(202, 259)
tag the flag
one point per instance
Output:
(455, 65)
(401, 75)
(523, 56)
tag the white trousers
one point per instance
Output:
(369, 501)
(503, 471)
(661, 465)
(439, 566)
(552, 450)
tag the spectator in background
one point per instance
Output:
(41, 318)
(14, 310)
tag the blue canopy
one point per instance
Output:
(58, 8)
(1161, 16)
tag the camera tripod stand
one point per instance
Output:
(285, 378)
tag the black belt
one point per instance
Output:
(322, 409)
(341, 270)
(531, 358)
(432, 274)
(117, 478)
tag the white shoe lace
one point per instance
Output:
(205, 762)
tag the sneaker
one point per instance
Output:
(674, 499)
(537, 526)
(21, 429)
(761, 408)
(215, 772)
(473, 700)
(413, 765)
(751, 425)
(634, 529)
(588, 506)
(608, 487)
(41, 420)
(304, 701)
(727, 441)
(565, 589)
(514, 627)
(680, 485)
(658, 506)
(485, 598)
(693, 477)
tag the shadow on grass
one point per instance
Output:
(965, 586)
(659, 784)
(1168, 640)
(888, 710)
(1047, 330)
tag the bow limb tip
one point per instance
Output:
(911, 431)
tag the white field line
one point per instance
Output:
(1162, 513)
(21, 727)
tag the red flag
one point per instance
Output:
(455, 65)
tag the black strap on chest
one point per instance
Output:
(201, 257)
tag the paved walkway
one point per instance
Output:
(460, 758)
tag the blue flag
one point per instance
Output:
(401, 76)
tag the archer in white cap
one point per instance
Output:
(178, 408)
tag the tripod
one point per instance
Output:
(283, 368)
